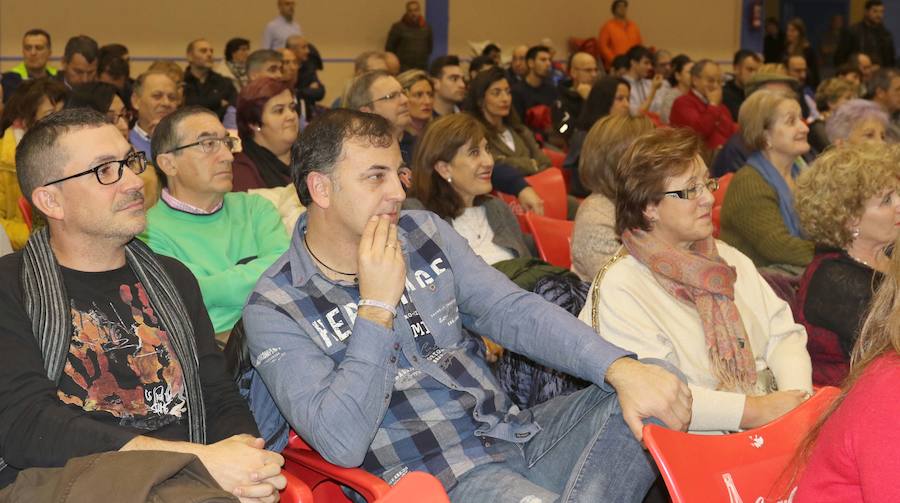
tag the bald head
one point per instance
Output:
(393, 63)
(299, 46)
(583, 69)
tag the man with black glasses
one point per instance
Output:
(227, 239)
(105, 345)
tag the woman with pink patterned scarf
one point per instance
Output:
(675, 293)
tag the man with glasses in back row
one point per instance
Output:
(227, 239)
(105, 345)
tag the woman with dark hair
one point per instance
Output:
(797, 44)
(235, 65)
(33, 100)
(675, 293)
(268, 125)
(679, 84)
(609, 96)
(510, 142)
(103, 98)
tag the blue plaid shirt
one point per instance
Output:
(417, 396)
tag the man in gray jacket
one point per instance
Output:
(361, 334)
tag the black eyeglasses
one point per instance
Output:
(693, 192)
(210, 145)
(110, 172)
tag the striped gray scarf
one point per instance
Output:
(47, 305)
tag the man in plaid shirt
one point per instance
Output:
(360, 333)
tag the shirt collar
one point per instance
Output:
(140, 132)
(700, 96)
(179, 205)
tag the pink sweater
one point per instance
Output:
(855, 457)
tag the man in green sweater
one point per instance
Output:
(227, 239)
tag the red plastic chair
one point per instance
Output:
(516, 209)
(750, 466)
(296, 490)
(557, 158)
(553, 238)
(551, 186)
(719, 196)
(325, 479)
(25, 208)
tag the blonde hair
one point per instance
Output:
(412, 77)
(757, 115)
(603, 148)
(834, 190)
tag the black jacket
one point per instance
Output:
(210, 93)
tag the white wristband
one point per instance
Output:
(377, 303)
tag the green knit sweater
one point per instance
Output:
(227, 251)
(752, 223)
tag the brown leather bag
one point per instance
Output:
(124, 477)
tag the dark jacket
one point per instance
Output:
(211, 93)
(411, 44)
(872, 39)
(732, 97)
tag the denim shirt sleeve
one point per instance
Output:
(337, 408)
(493, 306)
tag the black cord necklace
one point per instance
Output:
(305, 242)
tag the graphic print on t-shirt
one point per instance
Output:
(123, 363)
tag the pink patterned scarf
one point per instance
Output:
(701, 277)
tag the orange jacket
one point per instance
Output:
(616, 37)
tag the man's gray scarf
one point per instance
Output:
(47, 304)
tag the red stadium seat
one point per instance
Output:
(750, 466)
(25, 208)
(552, 238)
(325, 479)
(551, 186)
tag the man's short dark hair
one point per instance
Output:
(84, 45)
(479, 62)
(165, 136)
(612, 8)
(97, 96)
(234, 45)
(116, 68)
(320, 145)
(621, 62)
(37, 31)
(881, 80)
(488, 49)
(873, 3)
(113, 51)
(39, 156)
(534, 51)
(258, 58)
(743, 54)
(436, 69)
(637, 53)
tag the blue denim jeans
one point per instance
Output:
(584, 453)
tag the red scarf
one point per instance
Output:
(700, 277)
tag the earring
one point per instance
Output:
(449, 179)
(257, 128)
(855, 233)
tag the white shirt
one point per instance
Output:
(637, 314)
(474, 226)
(507, 138)
(640, 90)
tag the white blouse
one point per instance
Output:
(474, 226)
(637, 314)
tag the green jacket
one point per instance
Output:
(21, 71)
(752, 223)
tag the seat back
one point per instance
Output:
(25, 208)
(552, 238)
(296, 491)
(551, 186)
(749, 466)
(719, 196)
(516, 209)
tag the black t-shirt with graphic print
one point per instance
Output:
(122, 377)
